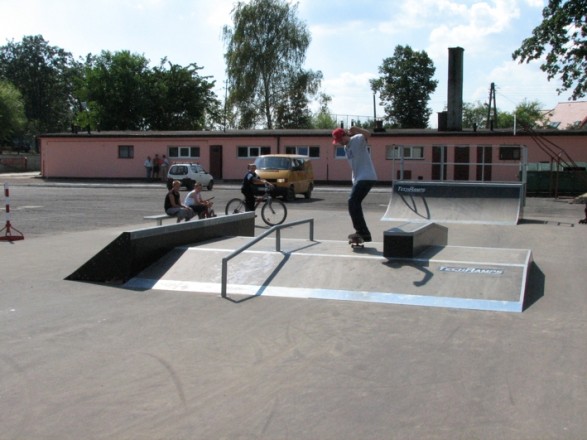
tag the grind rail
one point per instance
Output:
(277, 229)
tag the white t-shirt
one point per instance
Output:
(359, 159)
(193, 198)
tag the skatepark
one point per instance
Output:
(315, 340)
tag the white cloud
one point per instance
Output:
(349, 40)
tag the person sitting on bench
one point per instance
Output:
(201, 207)
(174, 207)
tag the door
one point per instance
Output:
(216, 161)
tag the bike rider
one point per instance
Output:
(251, 181)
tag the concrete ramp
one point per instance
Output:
(456, 202)
(451, 277)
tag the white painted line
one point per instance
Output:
(341, 295)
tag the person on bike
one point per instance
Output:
(364, 176)
(251, 181)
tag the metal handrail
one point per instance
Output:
(277, 229)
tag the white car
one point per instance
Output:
(188, 174)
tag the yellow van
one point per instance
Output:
(290, 173)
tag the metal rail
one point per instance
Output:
(277, 229)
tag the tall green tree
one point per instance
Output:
(120, 91)
(116, 90)
(405, 86)
(323, 118)
(562, 37)
(293, 110)
(181, 99)
(266, 50)
(44, 76)
(12, 115)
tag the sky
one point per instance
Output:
(349, 41)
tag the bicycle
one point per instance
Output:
(273, 212)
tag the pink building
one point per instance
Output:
(408, 154)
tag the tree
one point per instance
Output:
(293, 109)
(562, 36)
(265, 53)
(180, 99)
(116, 90)
(121, 92)
(324, 119)
(405, 87)
(474, 115)
(44, 76)
(12, 115)
(527, 114)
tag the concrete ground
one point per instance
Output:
(80, 360)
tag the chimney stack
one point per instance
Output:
(454, 119)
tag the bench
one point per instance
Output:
(158, 218)
(410, 239)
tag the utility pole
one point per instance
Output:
(491, 122)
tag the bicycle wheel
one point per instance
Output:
(273, 212)
(235, 206)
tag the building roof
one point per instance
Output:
(568, 115)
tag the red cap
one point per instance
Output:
(338, 135)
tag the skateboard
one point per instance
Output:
(356, 241)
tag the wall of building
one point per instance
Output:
(97, 155)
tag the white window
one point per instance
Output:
(252, 151)
(303, 150)
(183, 152)
(404, 151)
(339, 153)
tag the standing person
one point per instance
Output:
(363, 175)
(164, 168)
(148, 167)
(174, 207)
(201, 207)
(156, 166)
(248, 188)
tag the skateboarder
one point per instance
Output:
(364, 177)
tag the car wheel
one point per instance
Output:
(210, 185)
(189, 184)
(308, 194)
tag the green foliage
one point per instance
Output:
(44, 75)
(323, 118)
(405, 87)
(562, 37)
(12, 115)
(121, 92)
(266, 49)
(293, 110)
(180, 99)
(117, 86)
(474, 115)
(527, 114)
